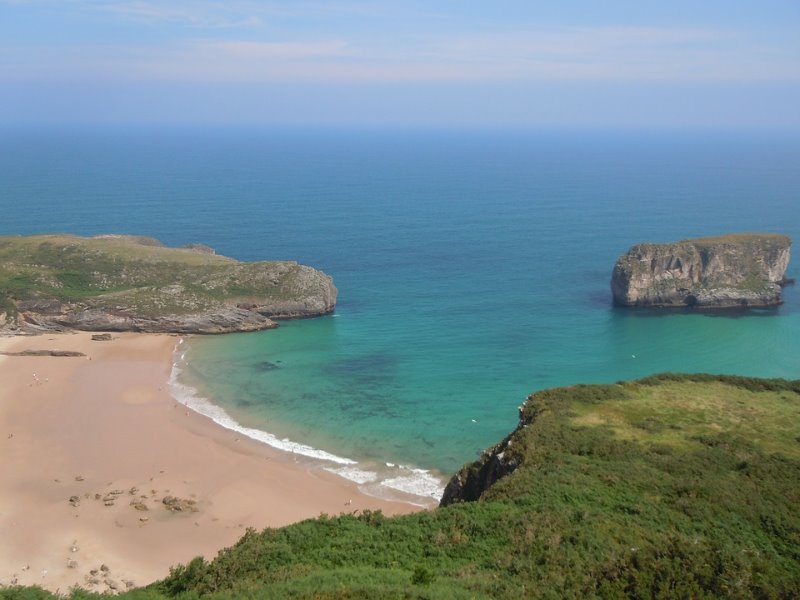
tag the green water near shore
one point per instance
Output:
(376, 397)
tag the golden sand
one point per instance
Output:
(103, 430)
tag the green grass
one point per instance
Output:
(674, 486)
(676, 417)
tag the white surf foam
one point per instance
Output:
(355, 474)
(408, 480)
(189, 397)
(418, 482)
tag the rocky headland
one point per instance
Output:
(131, 283)
(736, 270)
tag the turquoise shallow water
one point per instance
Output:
(472, 268)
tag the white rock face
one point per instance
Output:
(737, 270)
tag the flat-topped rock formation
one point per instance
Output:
(132, 283)
(736, 270)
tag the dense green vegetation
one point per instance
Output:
(670, 487)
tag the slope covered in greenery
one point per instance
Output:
(672, 487)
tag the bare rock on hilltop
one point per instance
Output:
(175, 504)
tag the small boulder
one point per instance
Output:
(175, 504)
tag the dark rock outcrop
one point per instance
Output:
(200, 248)
(175, 504)
(472, 480)
(61, 353)
(737, 270)
(495, 463)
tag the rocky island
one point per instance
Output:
(132, 283)
(736, 270)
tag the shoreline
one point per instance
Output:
(105, 431)
(389, 481)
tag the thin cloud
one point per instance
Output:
(618, 53)
(601, 54)
(266, 51)
(625, 54)
(198, 14)
(231, 14)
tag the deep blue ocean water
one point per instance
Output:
(473, 268)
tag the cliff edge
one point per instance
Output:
(736, 270)
(131, 283)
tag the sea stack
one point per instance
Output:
(728, 271)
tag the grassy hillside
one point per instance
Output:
(669, 487)
(140, 278)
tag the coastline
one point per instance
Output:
(388, 480)
(105, 430)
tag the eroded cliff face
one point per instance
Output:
(737, 270)
(473, 479)
(495, 463)
(83, 317)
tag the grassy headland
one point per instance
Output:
(672, 487)
(136, 283)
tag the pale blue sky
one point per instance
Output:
(699, 63)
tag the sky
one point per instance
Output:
(452, 63)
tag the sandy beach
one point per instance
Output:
(92, 445)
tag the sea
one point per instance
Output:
(473, 269)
